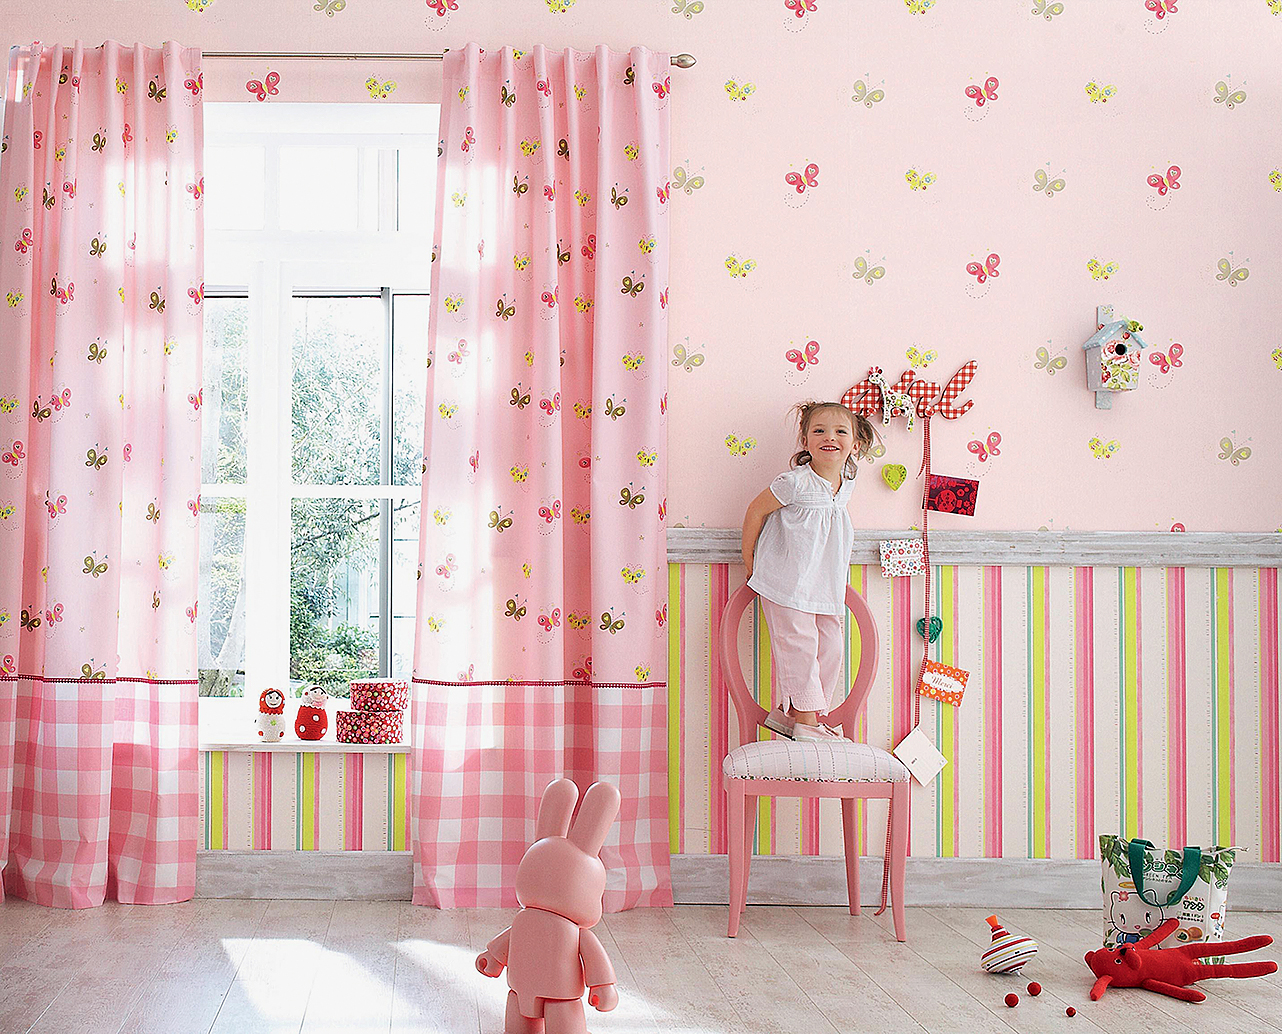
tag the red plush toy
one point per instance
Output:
(1168, 971)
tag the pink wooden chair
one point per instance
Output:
(809, 768)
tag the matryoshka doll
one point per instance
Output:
(313, 720)
(271, 715)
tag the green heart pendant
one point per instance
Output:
(936, 626)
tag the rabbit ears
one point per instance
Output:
(596, 814)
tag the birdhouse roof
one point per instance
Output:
(1111, 331)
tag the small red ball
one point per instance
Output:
(1012, 1000)
(1034, 989)
(1070, 1011)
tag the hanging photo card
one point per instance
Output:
(943, 682)
(920, 756)
(900, 557)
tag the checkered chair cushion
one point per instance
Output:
(813, 761)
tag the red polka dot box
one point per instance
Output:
(380, 695)
(369, 726)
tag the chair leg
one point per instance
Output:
(734, 847)
(749, 830)
(898, 853)
(852, 853)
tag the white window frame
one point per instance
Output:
(376, 259)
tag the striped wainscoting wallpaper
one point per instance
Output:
(282, 801)
(1138, 700)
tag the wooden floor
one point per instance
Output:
(358, 968)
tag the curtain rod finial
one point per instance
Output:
(683, 60)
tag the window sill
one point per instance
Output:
(227, 723)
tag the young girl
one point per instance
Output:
(797, 538)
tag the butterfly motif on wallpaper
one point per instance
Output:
(1102, 450)
(865, 96)
(800, 360)
(1276, 354)
(687, 7)
(919, 6)
(1171, 181)
(1227, 272)
(1101, 271)
(1045, 362)
(988, 269)
(1275, 177)
(739, 267)
(686, 357)
(1230, 452)
(866, 272)
(1161, 8)
(330, 7)
(918, 358)
(1047, 9)
(1168, 359)
(262, 88)
(986, 448)
(1100, 94)
(1045, 183)
(1229, 99)
(800, 7)
(740, 448)
(981, 95)
(738, 92)
(682, 180)
(799, 181)
(918, 180)
(380, 91)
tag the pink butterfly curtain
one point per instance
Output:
(542, 624)
(100, 338)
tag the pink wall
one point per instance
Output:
(1164, 112)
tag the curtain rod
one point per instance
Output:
(680, 60)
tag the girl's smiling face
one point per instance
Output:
(830, 438)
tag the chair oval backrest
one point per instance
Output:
(752, 714)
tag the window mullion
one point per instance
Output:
(385, 505)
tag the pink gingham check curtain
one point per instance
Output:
(101, 259)
(541, 638)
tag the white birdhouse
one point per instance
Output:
(1112, 356)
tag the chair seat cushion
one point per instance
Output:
(813, 761)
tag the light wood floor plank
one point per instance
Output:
(353, 991)
(930, 997)
(764, 993)
(684, 992)
(188, 988)
(20, 921)
(104, 990)
(434, 987)
(34, 975)
(315, 967)
(270, 992)
(842, 991)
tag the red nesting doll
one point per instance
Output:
(313, 720)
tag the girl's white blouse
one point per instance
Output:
(802, 557)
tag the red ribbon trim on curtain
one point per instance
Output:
(528, 682)
(119, 678)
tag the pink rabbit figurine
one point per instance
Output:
(549, 950)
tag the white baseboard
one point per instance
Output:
(994, 883)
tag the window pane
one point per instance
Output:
(409, 386)
(220, 618)
(333, 606)
(222, 430)
(234, 188)
(318, 188)
(416, 189)
(338, 388)
(404, 586)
